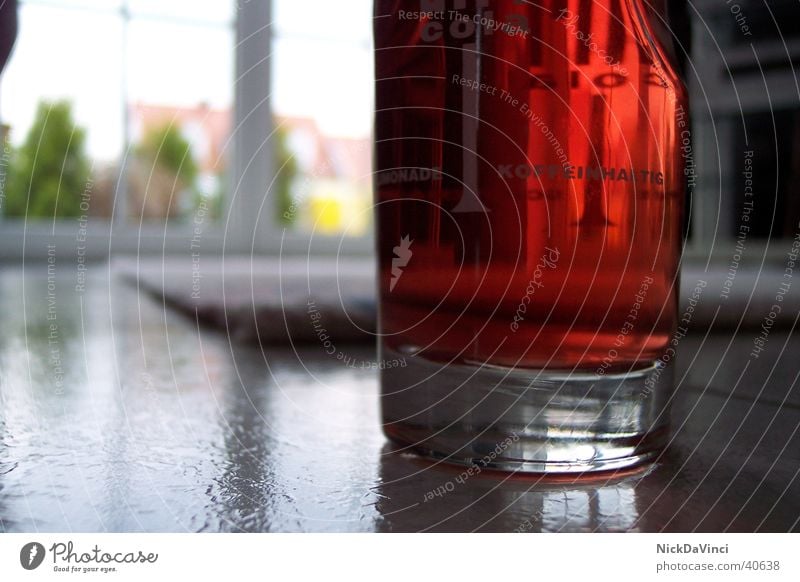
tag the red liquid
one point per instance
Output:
(536, 178)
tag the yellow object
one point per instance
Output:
(338, 207)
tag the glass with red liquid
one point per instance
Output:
(529, 196)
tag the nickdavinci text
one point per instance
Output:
(691, 549)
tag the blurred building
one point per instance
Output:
(332, 186)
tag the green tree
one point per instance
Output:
(163, 178)
(49, 172)
(166, 147)
(286, 166)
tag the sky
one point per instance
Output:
(180, 53)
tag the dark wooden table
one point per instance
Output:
(117, 414)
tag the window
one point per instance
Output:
(162, 114)
(179, 85)
(116, 120)
(746, 131)
(323, 101)
(62, 110)
(141, 121)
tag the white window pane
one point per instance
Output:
(67, 54)
(322, 90)
(350, 21)
(95, 5)
(329, 82)
(175, 64)
(180, 87)
(216, 11)
(73, 56)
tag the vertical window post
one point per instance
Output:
(249, 220)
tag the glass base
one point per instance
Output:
(538, 421)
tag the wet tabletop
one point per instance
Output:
(117, 414)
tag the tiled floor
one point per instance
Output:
(117, 414)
